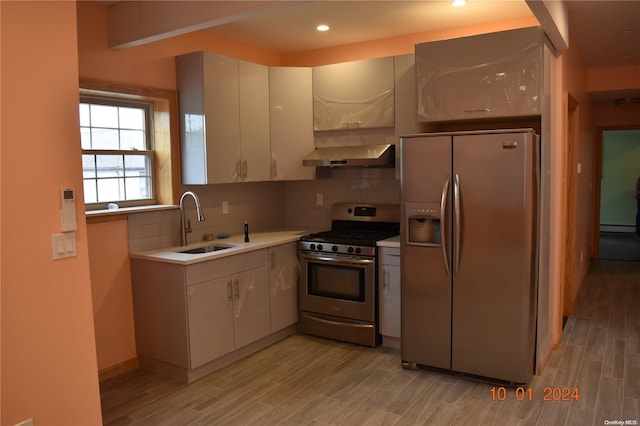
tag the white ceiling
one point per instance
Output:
(607, 32)
(291, 28)
(600, 29)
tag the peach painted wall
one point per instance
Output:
(49, 370)
(111, 290)
(614, 78)
(575, 82)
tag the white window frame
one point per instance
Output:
(148, 153)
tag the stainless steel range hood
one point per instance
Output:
(352, 156)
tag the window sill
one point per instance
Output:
(95, 216)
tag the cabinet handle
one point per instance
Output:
(478, 110)
(385, 281)
(244, 170)
(238, 171)
(229, 292)
(273, 260)
(393, 254)
(275, 169)
(236, 284)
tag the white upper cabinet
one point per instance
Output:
(224, 118)
(254, 122)
(353, 95)
(291, 117)
(483, 76)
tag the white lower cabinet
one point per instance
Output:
(284, 271)
(389, 292)
(188, 316)
(226, 314)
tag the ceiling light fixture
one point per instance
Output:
(458, 3)
(322, 27)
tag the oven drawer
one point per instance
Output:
(347, 330)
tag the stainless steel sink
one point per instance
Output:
(207, 249)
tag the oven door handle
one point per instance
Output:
(360, 262)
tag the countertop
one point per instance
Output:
(390, 242)
(258, 240)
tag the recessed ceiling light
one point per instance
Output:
(322, 27)
(458, 3)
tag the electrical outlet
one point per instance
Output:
(319, 199)
(225, 207)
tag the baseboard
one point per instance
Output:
(118, 369)
(626, 229)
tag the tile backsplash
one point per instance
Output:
(265, 205)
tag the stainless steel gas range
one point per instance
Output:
(338, 281)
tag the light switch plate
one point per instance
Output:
(63, 245)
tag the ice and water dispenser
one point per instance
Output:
(423, 223)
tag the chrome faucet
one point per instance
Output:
(185, 228)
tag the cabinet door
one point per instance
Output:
(351, 95)
(291, 117)
(254, 122)
(251, 306)
(283, 284)
(483, 76)
(222, 118)
(210, 310)
(390, 293)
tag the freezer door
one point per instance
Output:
(494, 288)
(425, 277)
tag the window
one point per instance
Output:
(117, 154)
(130, 145)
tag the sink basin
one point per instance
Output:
(206, 249)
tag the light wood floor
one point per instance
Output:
(310, 381)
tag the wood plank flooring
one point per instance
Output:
(304, 380)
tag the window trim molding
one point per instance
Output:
(165, 136)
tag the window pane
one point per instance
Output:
(88, 166)
(104, 116)
(109, 166)
(131, 118)
(136, 165)
(104, 139)
(120, 127)
(84, 115)
(110, 190)
(85, 137)
(138, 188)
(90, 191)
(132, 139)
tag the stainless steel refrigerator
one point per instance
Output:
(469, 252)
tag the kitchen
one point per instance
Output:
(360, 186)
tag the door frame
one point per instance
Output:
(597, 184)
(570, 178)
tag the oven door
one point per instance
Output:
(338, 285)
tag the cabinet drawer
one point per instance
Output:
(390, 256)
(226, 266)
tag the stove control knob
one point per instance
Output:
(334, 248)
(319, 246)
(350, 249)
(358, 250)
(312, 246)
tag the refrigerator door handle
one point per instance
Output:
(456, 224)
(443, 227)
